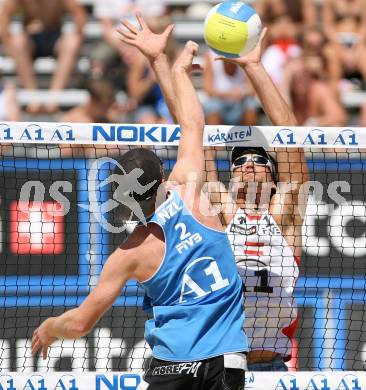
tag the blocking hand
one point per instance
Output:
(185, 59)
(151, 45)
(252, 57)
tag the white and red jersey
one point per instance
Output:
(269, 270)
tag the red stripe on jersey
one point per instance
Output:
(253, 217)
(253, 253)
(248, 243)
(290, 333)
(290, 330)
(298, 260)
(292, 364)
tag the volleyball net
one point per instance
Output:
(59, 223)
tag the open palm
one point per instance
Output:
(252, 57)
(149, 43)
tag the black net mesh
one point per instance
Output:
(53, 248)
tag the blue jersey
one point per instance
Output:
(196, 293)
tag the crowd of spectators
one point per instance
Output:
(315, 53)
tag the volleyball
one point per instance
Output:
(232, 29)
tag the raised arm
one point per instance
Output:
(273, 103)
(78, 322)
(216, 190)
(289, 201)
(292, 165)
(190, 116)
(152, 46)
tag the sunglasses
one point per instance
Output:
(256, 159)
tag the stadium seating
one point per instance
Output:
(185, 29)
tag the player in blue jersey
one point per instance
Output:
(181, 257)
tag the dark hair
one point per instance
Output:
(151, 166)
(101, 91)
(309, 29)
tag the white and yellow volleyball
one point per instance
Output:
(232, 29)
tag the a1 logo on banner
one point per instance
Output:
(36, 228)
(6, 382)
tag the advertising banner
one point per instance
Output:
(159, 134)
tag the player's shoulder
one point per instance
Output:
(187, 191)
(173, 186)
(143, 237)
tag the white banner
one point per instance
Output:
(326, 380)
(156, 134)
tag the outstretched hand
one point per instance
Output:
(253, 57)
(151, 45)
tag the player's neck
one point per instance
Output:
(252, 208)
(255, 202)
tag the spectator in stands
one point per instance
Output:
(111, 58)
(300, 12)
(363, 115)
(144, 90)
(312, 99)
(9, 108)
(314, 42)
(100, 106)
(142, 85)
(231, 97)
(42, 37)
(344, 17)
(123, 64)
(282, 48)
(345, 25)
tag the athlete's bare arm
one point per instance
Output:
(189, 112)
(75, 323)
(217, 192)
(190, 116)
(137, 258)
(292, 167)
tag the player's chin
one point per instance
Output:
(250, 177)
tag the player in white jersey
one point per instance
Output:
(263, 221)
